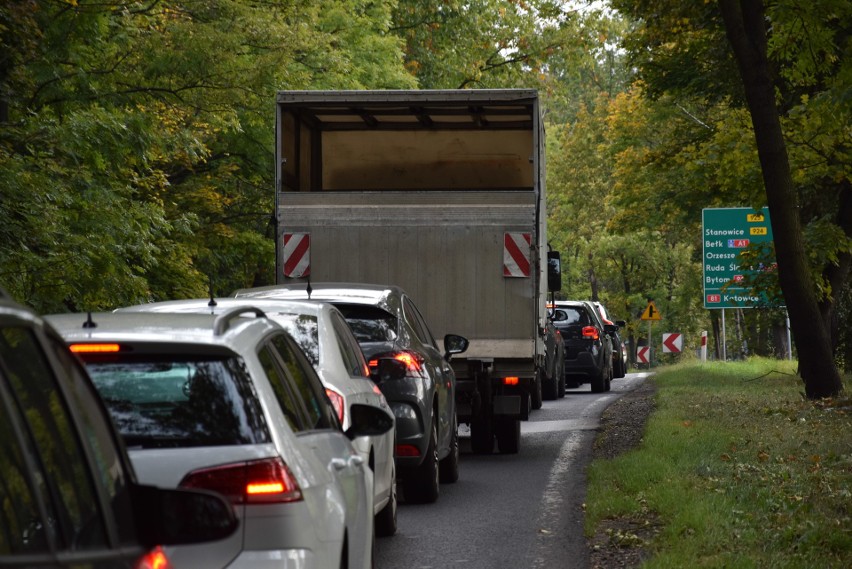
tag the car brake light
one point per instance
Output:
(154, 559)
(94, 348)
(591, 332)
(413, 361)
(407, 450)
(264, 481)
(511, 380)
(336, 402)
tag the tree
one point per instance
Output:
(745, 24)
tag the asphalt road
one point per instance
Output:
(511, 511)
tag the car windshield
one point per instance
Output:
(180, 402)
(369, 323)
(573, 316)
(304, 329)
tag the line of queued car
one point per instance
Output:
(305, 408)
(305, 415)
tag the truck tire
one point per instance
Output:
(420, 486)
(481, 427)
(526, 406)
(509, 436)
(535, 395)
(561, 387)
(449, 466)
(550, 389)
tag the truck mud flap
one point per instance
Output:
(507, 406)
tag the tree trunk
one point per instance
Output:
(745, 26)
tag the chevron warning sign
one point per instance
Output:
(516, 254)
(672, 342)
(297, 255)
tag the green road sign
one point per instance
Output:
(726, 232)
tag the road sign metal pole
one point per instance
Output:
(724, 339)
(650, 349)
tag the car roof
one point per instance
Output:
(355, 293)
(220, 305)
(232, 329)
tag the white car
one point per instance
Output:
(230, 403)
(326, 339)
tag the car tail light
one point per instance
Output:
(337, 402)
(154, 559)
(266, 481)
(407, 450)
(511, 380)
(412, 360)
(591, 332)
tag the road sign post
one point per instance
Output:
(651, 314)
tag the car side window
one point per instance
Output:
(286, 399)
(77, 518)
(99, 435)
(412, 315)
(297, 387)
(353, 358)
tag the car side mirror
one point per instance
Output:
(610, 328)
(454, 344)
(176, 516)
(368, 421)
(620, 323)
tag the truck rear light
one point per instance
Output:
(266, 481)
(407, 450)
(154, 559)
(511, 380)
(591, 332)
(337, 402)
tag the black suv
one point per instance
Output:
(588, 345)
(69, 494)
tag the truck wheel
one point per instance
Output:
(509, 436)
(449, 466)
(421, 485)
(481, 428)
(550, 389)
(535, 396)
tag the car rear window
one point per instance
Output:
(174, 401)
(369, 323)
(573, 316)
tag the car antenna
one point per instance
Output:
(212, 302)
(89, 323)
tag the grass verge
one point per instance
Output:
(736, 470)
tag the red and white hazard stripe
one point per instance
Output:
(297, 255)
(516, 254)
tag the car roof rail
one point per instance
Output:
(223, 321)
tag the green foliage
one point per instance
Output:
(735, 469)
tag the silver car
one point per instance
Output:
(230, 403)
(389, 327)
(326, 339)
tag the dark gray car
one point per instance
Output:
(389, 327)
(69, 494)
(588, 345)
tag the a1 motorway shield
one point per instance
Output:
(725, 233)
